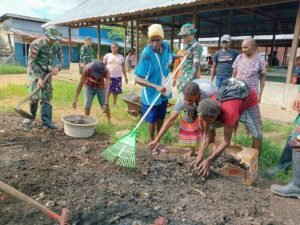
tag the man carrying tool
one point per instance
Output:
(41, 56)
(152, 69)
(86, 53)
(96, 80)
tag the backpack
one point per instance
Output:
(233, 88)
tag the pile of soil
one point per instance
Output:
(60, 171)
(227, 158)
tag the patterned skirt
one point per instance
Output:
(115, 85)
(190, 134)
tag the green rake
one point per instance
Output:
(125, 148)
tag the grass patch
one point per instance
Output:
(12, 69)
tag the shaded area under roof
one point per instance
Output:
(214, 17)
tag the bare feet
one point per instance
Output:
(188, 156)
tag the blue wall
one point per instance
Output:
(92, 32)
(20, 55)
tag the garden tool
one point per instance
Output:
(20, 103)
(125, 148)
(62, 219)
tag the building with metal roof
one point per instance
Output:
(212, 18)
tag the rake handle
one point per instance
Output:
(19, 195)
(35, 91)
(158, 96)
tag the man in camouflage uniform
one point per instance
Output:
(191, 65)
(86, 53)
(42, 53)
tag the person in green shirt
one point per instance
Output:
(191, 65)
(86, 53)
(41, 61)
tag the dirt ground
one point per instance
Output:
(60, 171)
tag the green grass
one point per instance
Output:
(275, 134)
(12, 69)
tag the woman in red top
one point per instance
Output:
(227, 112)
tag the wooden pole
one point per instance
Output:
(266, 53)
(26, 57)
(195, 22)
(220, 34)
(131, 34)
(70, 46)
(254, 26)
(137, 41)
(292, 59)
(284, 56)
(229, 22)
(125, 41)
(99, 40)
(273, 43)
(172, 34)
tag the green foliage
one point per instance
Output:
(284, 177)
(114, 33)
(12, 69)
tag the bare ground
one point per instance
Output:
(60, 171)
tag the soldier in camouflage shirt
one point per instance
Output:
(86, 53)
(191, 65)
(41, 57)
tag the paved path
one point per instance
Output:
(270, 105)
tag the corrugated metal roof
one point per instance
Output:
(75, 39)
(95, 9)
(16, 16)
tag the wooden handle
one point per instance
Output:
(19, 195)
(35, 91)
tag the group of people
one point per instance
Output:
(201, 105)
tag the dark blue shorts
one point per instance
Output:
(158, 112)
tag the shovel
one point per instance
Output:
(62, 219)
(18, 106)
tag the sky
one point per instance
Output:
(44, 9)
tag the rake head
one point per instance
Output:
(64, 218)
(124, 150)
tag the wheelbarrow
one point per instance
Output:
(134, 104)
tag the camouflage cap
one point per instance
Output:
(187, 29)
(52, 33)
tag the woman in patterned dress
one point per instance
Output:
(116, 66)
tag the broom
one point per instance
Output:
(125, 148)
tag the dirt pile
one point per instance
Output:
(61, 171)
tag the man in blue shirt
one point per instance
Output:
(152, 68)
(223, 60)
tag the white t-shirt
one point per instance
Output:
(207, 90)
(114, 64)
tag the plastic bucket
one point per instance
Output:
(79, 126)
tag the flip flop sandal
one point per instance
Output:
(161, 149)
(155, 151)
